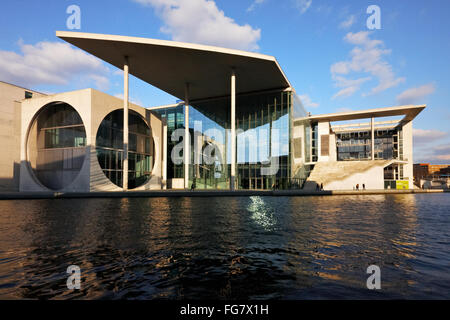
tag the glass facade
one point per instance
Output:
(264, 150)
(356, 145)
(174, 117)
(57, 145)
(210, 150)
(301, 145)
(109, 146)
(263, 141)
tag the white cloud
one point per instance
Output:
(307, 102)
(422, 136)
(443, 157)
(324, 9)
(346, 92)
(366, 58)
(303, 5)
(348, 23)
(254, 4)
(349, 86)
(51, 63)
(414, 95)
(436, 154)
(200, 21)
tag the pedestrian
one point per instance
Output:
(193, 185)
(357, 187)
(364, 186)
(317, 187)
(321, 187)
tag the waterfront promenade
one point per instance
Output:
(205, 193)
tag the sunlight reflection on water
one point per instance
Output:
(231, 247)
(262, 213)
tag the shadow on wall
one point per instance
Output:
(60, 174)
(11, 183)
(314, 186)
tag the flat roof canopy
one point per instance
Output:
(168, 65)
(410, 112)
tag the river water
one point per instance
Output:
(227, 247)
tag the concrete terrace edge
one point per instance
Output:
(203, 193)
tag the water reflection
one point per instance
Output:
(262, 213)
(230, 248)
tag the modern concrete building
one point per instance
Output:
(245, 128)
(73, 142)
(367, 153)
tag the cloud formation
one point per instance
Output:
(437, 154)
(307, 102)
(366, 58)
(51, 63)
(348, 23)
(201, 21)
(254, 4)
(303, 5)
(442, 152)
(415, 95)
(422, 136)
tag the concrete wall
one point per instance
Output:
(408, 153)
(323, 129)
(345, 175)
(92, 106)
(372, 178)
(81, 102)
(333, 148)
(10, 124)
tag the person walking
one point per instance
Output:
(193, 185)
(357, 187)
(364, 186)
(321, 187)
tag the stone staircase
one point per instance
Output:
(327, 172)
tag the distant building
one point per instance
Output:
(430, 171)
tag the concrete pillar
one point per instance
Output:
(164, 152)
(187, 141)
(233, 130)
(125, 125)
(372, 128)
(407, 134)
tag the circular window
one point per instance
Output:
(57, 145)
(109, 146)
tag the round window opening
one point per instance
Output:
(141, 149)
(56, 145)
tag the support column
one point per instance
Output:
(372, 127)
(164, 153)
(125, 125)
(233, 130)
(187, 142)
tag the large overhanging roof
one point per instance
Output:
(168, 65)
(409, 112)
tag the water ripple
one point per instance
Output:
(227, 248)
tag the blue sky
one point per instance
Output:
(332, 59)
